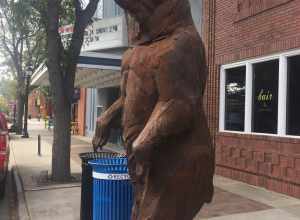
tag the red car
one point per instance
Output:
(4, 153)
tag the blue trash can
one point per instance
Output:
(112, 188)
(86, 206)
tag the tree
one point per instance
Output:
(8, 89)
(4, 107)
(61, 63)
(21, 43)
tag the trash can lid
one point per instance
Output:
(85, 157)
(110, 165)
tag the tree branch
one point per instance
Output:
(4, 39)
(89, 12)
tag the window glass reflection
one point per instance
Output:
(293, 103)
(235, 99)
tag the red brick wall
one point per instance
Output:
(34, 110)
(270, 162)
(247, 8)
(231, 36)
(212, 87)
(273, 30)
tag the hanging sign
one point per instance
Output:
(102, 34)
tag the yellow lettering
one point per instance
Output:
(259, 98)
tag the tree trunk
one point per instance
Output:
(61, 170)
(61, 65)
(20, 112)
(20, 98)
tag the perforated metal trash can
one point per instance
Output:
(86, 208)
(113, 191)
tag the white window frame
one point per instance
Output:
(282, 93)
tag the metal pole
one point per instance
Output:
(25, 131)
(39, 145)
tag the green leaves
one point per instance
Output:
(67, 12)
(8, 89)
(23, 33)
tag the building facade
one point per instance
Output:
(253, 51)
(100, 96)
(98, 69)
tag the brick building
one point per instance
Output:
(253, 51)
(38, 104)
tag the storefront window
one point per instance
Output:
(261, 95)
(235, 99)
(293, 103)
(265, 97)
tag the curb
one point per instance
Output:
(23, 213)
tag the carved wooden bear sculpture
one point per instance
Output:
(171, 160)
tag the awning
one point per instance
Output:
(94, 70)
(102, 61)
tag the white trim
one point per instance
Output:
(42, 66)
(100, 55)
(261, 134)
(262, 59)
(90, 66)
(222, 100)
(39, 75)
(111, 176)
(282, 95)
(248, 97)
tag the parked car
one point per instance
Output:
(4, 153)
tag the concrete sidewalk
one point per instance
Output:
(239, 201)
(44, 200)
(233, 200)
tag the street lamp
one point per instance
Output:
(27, 76)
